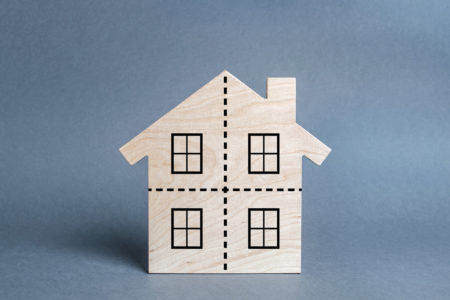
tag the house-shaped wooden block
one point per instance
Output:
(225, 180)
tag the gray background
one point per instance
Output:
(79, 79)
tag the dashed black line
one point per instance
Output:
(225, 179)
(225, 169)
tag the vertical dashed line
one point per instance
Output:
(225, 170)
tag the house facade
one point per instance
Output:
(225, 180)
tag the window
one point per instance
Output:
(264, 228)
(264, 153)
(187, 229)
(187, 153)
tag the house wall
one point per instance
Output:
(245, 112)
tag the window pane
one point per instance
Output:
(270, 163)
(194, 164)
(271, 144)
(256, 163)
(179, 144)
(179, 162)
(194, 238)
(256, 238)
(270, 219)
(194, 145)
(179, 238)
(256, 144)
(256, 218)
(179, 219)
(270, 238)
(194, 219)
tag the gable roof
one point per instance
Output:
(307, 144)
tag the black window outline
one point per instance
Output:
(263, 228)
(173, 228)
(263, 154)
(187, 153)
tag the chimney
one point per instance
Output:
(282, 90)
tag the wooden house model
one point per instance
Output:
(225, 180)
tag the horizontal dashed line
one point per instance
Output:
(216, 189)
(183, 189)
(266, 189)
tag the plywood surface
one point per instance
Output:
(225, 111)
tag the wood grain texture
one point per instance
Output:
(244, 112)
